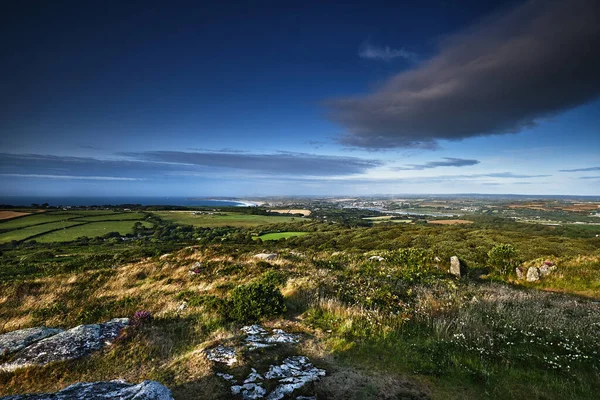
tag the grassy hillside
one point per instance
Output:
(398, 328)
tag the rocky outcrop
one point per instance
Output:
(455, 266)
(16, 340)
(258, 337)
(73, 343)
(147, 390)
(294, 373)
(278, 381)
(222, 354)
(266, 256)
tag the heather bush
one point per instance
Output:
(255, 301)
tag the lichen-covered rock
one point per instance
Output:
(249, 391)
(455, 266)
(222, 354)
(73, 343)
(258, 337)
(294, 373)
(16, 340)
(533, 274)
(147, 390)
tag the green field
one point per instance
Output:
(69, 225)
(128, 216)
(24, 233)
(223, 219)
(33, 219)
(280, 235)
(90, 230)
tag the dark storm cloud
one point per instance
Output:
(580, 169)
(448, 162)
(496, 78)
(281, 163)
(157, 163)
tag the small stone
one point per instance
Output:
(455, 266)
(376, 258)
(253, 377)
(533, 274)
(266, 256)
(227, 377)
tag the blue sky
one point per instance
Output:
(258, 98)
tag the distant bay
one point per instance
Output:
(145, 201)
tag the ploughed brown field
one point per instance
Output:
(11, 214)
(450, 221)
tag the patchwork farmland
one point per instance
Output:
(65, 226)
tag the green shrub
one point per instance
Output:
(254, 301)
(274, 278)
(503, 258)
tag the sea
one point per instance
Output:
(145, 201)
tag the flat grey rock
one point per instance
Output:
(74, 343)
(147, 390)
(16, 340)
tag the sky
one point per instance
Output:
(243, 99)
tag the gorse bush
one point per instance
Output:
(503, 258)
(274, 278)
(255, 301)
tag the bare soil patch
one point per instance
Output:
(449, 221)
(11, 214)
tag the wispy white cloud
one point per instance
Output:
(385, 53)
(72, 177)
(447, 162)
(580, 169)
